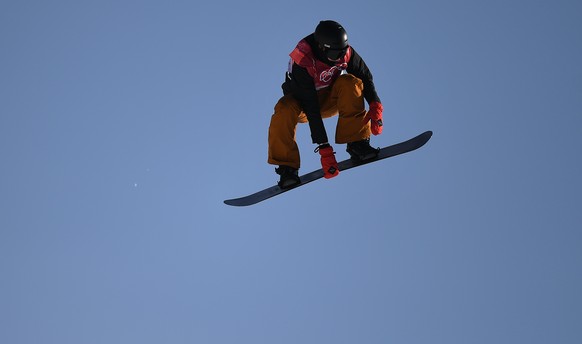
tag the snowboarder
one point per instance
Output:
(326, 76)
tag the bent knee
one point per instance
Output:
(288, 109)
(349, 81)
(288, 105)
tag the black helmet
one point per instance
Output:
(332, 39)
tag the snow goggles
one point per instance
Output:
(335, 54)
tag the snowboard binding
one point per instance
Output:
(361, 150)
(289, 177)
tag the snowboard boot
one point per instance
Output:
(361, 150)
(289, 177)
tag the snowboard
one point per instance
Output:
(386, 152)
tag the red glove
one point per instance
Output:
(328, 162)
(375, 115)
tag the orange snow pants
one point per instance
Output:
(345, 97)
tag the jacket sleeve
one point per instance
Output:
(300, 85)
(358, 68)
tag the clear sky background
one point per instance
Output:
(125, 124)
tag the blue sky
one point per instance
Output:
(125, 124)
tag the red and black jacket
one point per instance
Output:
(310, 71)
